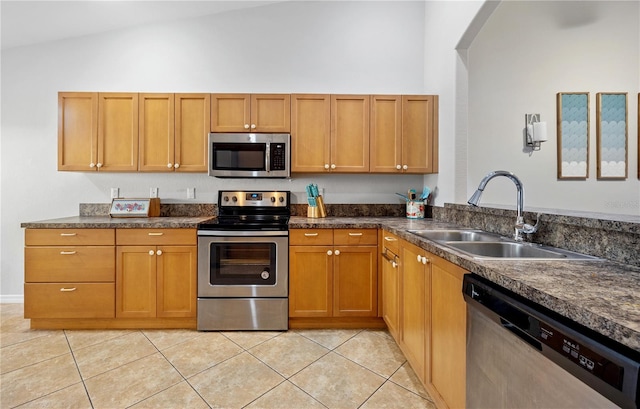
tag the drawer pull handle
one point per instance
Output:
(67, 289)
(387, 238)
(310, 234)
(355, 234)
(67, 253)
(68, 234)
(155, 234)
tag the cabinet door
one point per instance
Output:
(310, 132)
(420, 133)
(156, 132)
(386, 134)
(448, 332)
(310, 281)
(117, 132)
(230, 112)
(390, 295)
(77, 130)
(414, 295)
(355, 281)
(270, 113)
(135, 281)
(192, 123)
(350, 133)
(177, 281)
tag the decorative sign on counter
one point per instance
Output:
(135, 208)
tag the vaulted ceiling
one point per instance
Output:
(33, 22)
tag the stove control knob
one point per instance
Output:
(273, 199)
(281, 199)
(264, 275)
(234, 199)
(226, 198)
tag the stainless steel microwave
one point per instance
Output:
(249, 155)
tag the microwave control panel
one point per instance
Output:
(278, 156)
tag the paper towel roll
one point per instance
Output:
(539, 131)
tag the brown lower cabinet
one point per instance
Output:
(333, 277)
(110, 278)
(425, 294)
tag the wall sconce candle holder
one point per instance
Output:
(536, 131)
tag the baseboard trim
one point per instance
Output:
(12, 299)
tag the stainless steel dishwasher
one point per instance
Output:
(521, 355)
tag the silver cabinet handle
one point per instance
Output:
(66, 290)
(67, 253)
(355, 234)
(387, 238)
(159, 252)
(155, 234)
(337, 252)
(68, 234)
(310, 234)
(329, 252)
(151, 252)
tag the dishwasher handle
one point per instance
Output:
(504, 313)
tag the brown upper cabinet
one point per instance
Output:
(250, 113)
(97, 131)
(173, 132)
(168, 132)
(404, 134)
(310, 132)
(330, 133)
(129, 132)
(117, 132)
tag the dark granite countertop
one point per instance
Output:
(106, 222)
(601, 295)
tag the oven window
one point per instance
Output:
(242, 263)
(239, 156)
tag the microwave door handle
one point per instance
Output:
(267, 159)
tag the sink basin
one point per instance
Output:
(456, 235)
(512, 250)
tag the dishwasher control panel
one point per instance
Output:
(581, 355)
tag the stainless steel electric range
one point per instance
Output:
(243, 263)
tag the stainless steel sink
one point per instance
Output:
(483, 245)
(512, 250)
(456, 235)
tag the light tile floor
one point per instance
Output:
(190, 369)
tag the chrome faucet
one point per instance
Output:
(520, 226)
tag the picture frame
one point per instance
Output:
(612, 135)
(135, 207)
(573, 135)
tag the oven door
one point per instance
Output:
(243, 264)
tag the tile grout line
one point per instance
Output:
(75, 361)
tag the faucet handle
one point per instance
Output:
(527, 228)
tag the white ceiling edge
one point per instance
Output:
(486, 10)
(26, 22)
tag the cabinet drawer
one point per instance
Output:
(133, 237)
(69, 300)
(390, 241)
(355, 237)
(311, 237)
(69, 264)
(69, 237)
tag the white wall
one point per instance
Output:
(526, 53)
(446, 76)
(323, 47)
